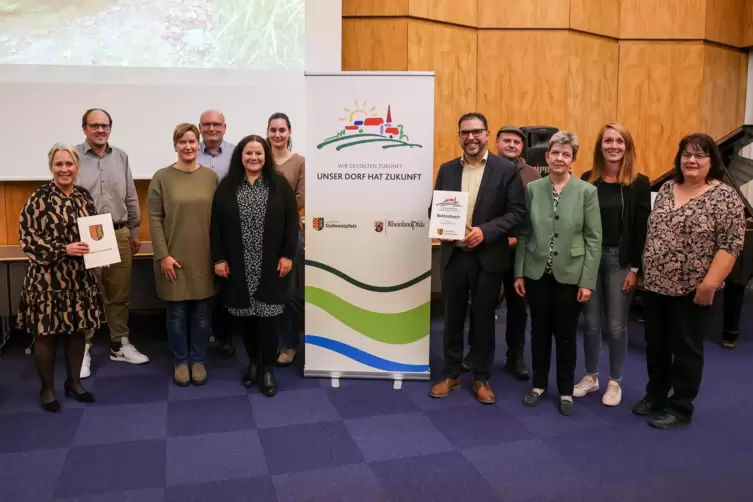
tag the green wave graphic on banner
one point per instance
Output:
(362, 285)
(396, 329)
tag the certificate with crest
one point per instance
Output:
(99, 233)
(448, 215)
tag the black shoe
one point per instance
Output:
(532, 399)
(225, 349)
(50, 406)
(83, 397)
(646, 406)
(518, 368)
(268, 383)
(566, 407)
(251, 376)
(668, 420)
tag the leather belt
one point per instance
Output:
(118, 226)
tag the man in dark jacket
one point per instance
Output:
(475, 266)
(510, 144)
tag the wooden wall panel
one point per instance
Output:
(375, 44)
(463, 12)
(601, 17)
(374, 8)
(748, 24)
(724, 21)
(16, 195)
(723, 99)
(663, 19)
(524, 13)
(591, 91)
(450, 52)
(142, 187)
(659, 96)
(3, 216)
(522, 77)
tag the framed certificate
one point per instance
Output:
(448, 214)
(99, 233)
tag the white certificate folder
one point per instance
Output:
(99, 233)
(448, 215)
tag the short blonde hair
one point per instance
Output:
(565, 138)
(62, 147)
(182, 129)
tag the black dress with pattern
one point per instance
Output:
(59, 294)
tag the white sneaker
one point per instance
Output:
(587, 385)
(87, 364)
(128, 354)
(613, 395)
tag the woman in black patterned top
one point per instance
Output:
(254, 238)
(60, 297)
(695, 232)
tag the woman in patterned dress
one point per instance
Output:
(60, 297)
(254, 238)
(695, 232)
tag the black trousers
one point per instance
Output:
(222, 321)
(517, 316)
(734, 294)
(463, 276)
(675, 327)
(554, 313)
(260, 335)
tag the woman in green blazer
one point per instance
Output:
(559, 249)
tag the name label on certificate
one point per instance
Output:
(99, 233)
(448, 214)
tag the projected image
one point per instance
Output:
(239, 34)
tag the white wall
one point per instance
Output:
(747, 189)
(43, 104)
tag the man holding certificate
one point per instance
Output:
(474, 263)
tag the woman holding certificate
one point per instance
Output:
(254, 237)
(60, 297)
(557, 264)
(180, 207)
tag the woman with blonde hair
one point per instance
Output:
(60, 296)
(180, 212)
(624, 203)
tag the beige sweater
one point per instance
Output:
(179, 204)
(294, 170)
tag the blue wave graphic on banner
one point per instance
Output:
(364, 357)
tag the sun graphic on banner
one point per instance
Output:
(364, 124)
(359, 111)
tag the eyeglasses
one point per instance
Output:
(477, 133)
(698, 156)
(97, 127)
(216, 125)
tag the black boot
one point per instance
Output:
(251, 377)
(268, 383)
(517, 367)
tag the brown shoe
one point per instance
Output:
(484, 392)
(444, 387)
(181, 376)
(198, 374)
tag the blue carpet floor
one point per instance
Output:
(147, 440)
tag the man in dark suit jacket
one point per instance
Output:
(475, 265)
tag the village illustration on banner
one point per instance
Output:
(364, 125)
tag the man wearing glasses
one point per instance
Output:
(475, 265)
(106, 174)
(215, 153)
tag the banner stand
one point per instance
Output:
(369, 181)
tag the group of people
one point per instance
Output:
(227, 241)
(565, 245)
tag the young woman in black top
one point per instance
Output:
(625, 202)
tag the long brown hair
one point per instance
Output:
(628, 172)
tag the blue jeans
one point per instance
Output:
(289, 331)
(180, 315)
(607, 310)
